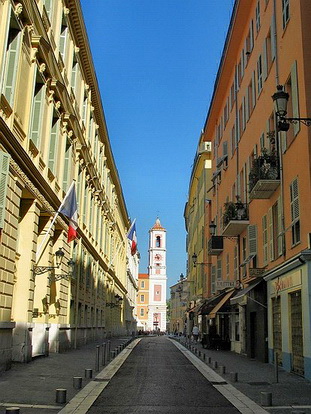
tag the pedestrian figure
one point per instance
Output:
(195, 333)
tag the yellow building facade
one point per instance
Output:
(53, 131)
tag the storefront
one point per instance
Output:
(289, 325)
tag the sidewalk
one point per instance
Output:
(290, 394)
(32, 386)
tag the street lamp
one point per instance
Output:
(194, 261)
(280, 99)
(59, 255)
(212, 228)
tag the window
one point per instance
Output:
(265, 239)
(259, 74)
(213, 279)
(258, 16)
(4, 176)
(250, 40)
(232, 95)
(227, 265)
(142, 312)
(244, 245)
(158, 241)
(235, 263)
(67, 165)
(48, 7)
(294, 208)
(285, 12)
(54, 137)
(63, 39)
(142, 284)
(74, 72)
(233, 140)
(11, 60)
(37, 111)
(142, 298)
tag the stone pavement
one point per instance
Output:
(291, 394)
(32, 386)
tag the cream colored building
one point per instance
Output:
(52, 130)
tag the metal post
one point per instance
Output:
(12, 410)
(276, 366)
(61, 395)
(104, 353)
(77, 383)
(109, 349)
(97, 358)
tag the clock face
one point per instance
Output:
(158, 257)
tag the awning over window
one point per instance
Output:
(220, 304)
(211, 304)
(242, 294)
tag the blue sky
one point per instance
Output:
(156, 63)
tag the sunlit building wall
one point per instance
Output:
(52, 130)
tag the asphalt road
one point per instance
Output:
(158, 378)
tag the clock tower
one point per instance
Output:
(157, 277)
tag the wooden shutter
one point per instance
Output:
(235, 263)
(246, 106)
(254, 89)
(273, 38)
(36, 116)
(265, 239)
(4, 177)
(280, 228)
(270, 234)
(264, 61)
(11, 63)
(295, 97)
(252, 240)
(294, 200)
(53, 144)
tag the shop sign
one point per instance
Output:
(256, 271)
(223, 284)
(286, 282)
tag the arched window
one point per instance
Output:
(158, 241)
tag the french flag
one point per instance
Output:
(131, 235)
(69, 209)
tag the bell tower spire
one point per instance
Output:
(157, 277)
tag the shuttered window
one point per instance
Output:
(259, 74)
(11, 59)
(63, 39)
(271, 234)
(37, 111)
(4, 177)
(67, 166)
(285, 12)
(258, 16)
(280, 234)
(252, 240)
(265, 239)
(48, 7)
(213, 281)
(294, 208)
(235, 263)
(54, 137)
(295, 97)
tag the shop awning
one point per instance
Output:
(220, 304)
(241, 295)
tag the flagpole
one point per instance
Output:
(112, 260)
(40, 249)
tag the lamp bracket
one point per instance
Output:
(39, 270)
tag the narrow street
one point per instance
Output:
(158, 378)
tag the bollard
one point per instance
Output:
(233, 376)
(12, 410)
(266, 398)
(204, 356)
(104, 353)
(298, 412)
(215, 364)
(222, 369)
(209, 360)
(276, 367)
(112, 355)
(61, 395)
(109, 349)
(97, 358)
(199, 354)
(77, 383)
(88, 373)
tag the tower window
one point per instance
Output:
(158, 241)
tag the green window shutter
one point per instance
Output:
(37, 111)
(11, 64)
(4, 177)
(213, 279)
(48, 6)
(246, 106)
(53, 144)
(252, 240)
(235, 263)
(67, 166)
(254, 89)
(264, 61)
(294, 200)
(273, 38)
(265, 239)
(280, 228)
(295, 97)
(74, 70)
(270, 233)
(63, 40)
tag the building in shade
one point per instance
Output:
(157, 277)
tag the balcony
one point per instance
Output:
(235, 218)
(264, 177)
(215, 245)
